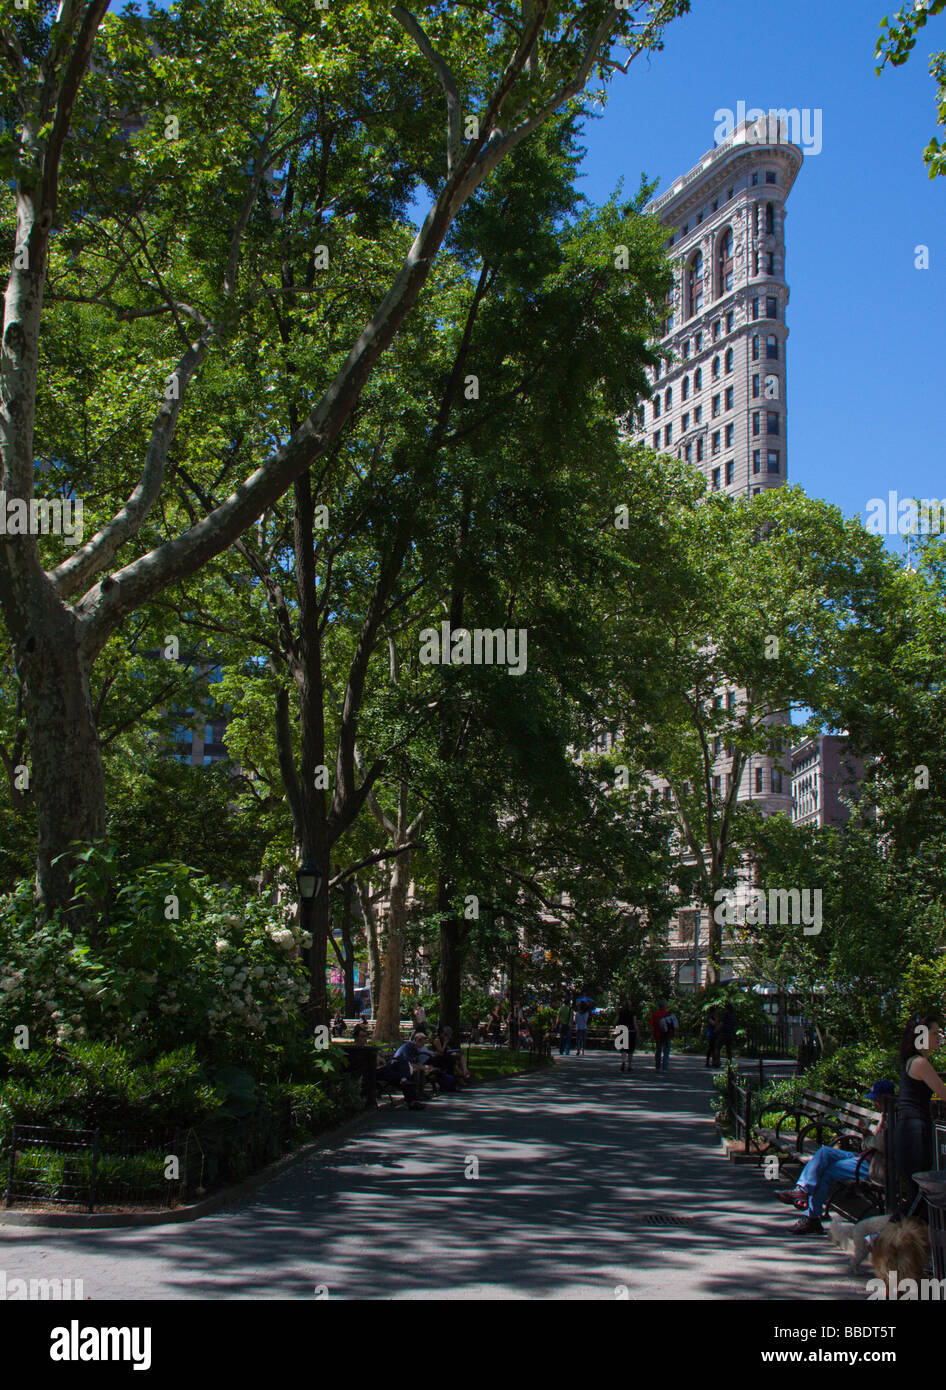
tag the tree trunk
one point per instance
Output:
(370, 919)
(452, 938)
(65, 754)
(348, 965)
(388, 1016)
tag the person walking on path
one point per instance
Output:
(663, 1025)
(581, 1026)
(496, 1025)
(564, 1020)
(726, 1036)
(919, 1083)
(713, 1029)
(627, 1042)
(420, 1019)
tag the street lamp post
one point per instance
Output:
(309, 881)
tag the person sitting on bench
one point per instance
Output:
(830, 1166)
(400, 1070)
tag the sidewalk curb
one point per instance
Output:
(83, 1221)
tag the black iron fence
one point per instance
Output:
(104, 1167)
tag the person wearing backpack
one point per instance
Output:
(661, 1035)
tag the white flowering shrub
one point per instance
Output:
(225, 972)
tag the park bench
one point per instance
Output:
(819, 1118)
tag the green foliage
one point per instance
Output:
(225, 975)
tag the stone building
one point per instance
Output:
(720, 398)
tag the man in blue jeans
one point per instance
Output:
(829, 1166)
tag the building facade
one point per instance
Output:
(720, 399)
(826, 776)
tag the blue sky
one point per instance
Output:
(866, 348)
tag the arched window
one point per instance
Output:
(715, 368)
(724, 263)
(694, 287)
(668, 398)
(685, 388)
(698, 379)
(770, 219)
(729, 359)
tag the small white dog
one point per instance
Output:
(853, 1239)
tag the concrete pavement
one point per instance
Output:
(574, 1182)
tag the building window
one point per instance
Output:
(694, 285)
(699, 449)
(756, 423)
(755, 308)
(699, 342)
(771, 306)
(715, 406)
(699, 217)
(756, 388)
(668, 433)
(776, 779)
(730, 397)
(755, 262)
(774, 458)
(686, 349)
(688, 453)
(730, 436)
(668, 398)
(685, 388)
(758, 779)
(757, 461)
(717, 327)
(717, 785)
(656, 439)
(686, 228)
(698, 379)
(771, 348)
(656, 407)
(729, 359)
(730, 700)
(715, 480)
(685, 422)
(657, 370)
(730, 192)
(716, 442)
(770, 264)
(755, 348)
(756, 491)
(755, 178)
(730, 321)
(770, 219)
(698, 415)
(771, 422)
(724, 262)
(715, 368)
(715, 204)
(771, 176)
(730, 470)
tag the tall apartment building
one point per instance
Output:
(720, 391)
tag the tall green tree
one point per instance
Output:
(147, 158)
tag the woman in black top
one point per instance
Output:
(913, 1139)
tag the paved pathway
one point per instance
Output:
(578, 1169)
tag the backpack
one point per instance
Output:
(668, 1025)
